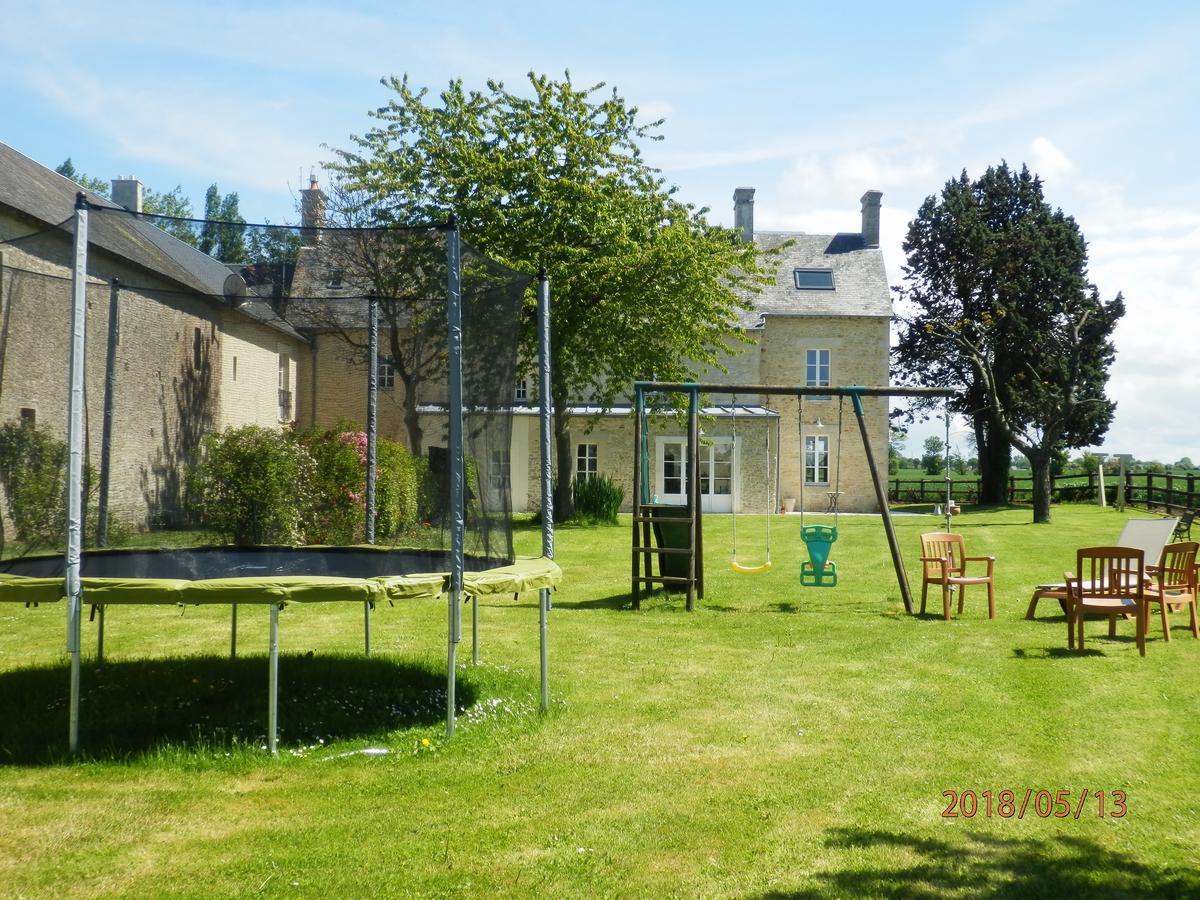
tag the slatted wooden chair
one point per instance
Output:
(944, 562)
(1110, 582)
(1174, 584)
(1183, 528)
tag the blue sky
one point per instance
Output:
(810, 103)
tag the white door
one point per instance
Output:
(716, 473)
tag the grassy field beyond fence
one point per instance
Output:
(779, 741)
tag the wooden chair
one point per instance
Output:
(1183, 528)
(1174, 583)
(1111, 582)
(944, 561)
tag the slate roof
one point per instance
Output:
(859, 280)
(42, 194)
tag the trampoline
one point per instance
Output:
(193, 317)
(274, 576)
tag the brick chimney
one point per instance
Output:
(312, 205)
(129, 193)
(743, 212)
(870, 218)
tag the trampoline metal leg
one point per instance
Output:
(233, 633)
(367, 627)
(474, 630)
(273, 683)
(543, 629)
(73, 725)
(452, 658)
(100, 636)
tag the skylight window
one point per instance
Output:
(813, 279)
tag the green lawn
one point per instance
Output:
(779, 741)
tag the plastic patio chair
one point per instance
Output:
(1174, 584)
(1110, 582)
(944, 561)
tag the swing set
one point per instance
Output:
(818, 570)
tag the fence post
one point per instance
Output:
(1191, 491)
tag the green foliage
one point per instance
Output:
(33, 472)
(96, 185)
(33, 468)
(172, 203)
(253, 486)
(337, 513)
(554, 177)
(998, 279)
(396, 489)
(222, 235)
(598, 499)
(933, 461)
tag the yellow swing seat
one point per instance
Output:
(749, 570)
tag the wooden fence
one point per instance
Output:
(1169, 493)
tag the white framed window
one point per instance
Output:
(285, 388)
(816, 370)
(521, 391)
(816, 459)
(498, 470)
(587, 458)
(385, 375)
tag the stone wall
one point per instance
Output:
(172, 379)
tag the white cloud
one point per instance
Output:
(1047, 160)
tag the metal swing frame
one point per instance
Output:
(694, 389)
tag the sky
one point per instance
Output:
(809, 103)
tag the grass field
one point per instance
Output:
(779, 741)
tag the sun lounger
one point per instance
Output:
(1147, 535)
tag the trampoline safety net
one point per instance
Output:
(227, 389)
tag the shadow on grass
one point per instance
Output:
(614, 601)
(980, 865)
(209, 703)
(1054, 653)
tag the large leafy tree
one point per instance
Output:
(554, 177)
(996, 285)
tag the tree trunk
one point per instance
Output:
(564, 499)
(1040, 466)
(412, 420)
(994, 462)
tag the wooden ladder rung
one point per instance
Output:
(665, 579)
(676, 550)
(688, 520)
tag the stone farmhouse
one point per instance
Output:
(188, 361)
(825, 321)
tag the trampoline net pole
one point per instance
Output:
(547, 474)
(75, 437)
(456, 480)
(372, 411)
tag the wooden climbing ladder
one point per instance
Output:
(648, 554)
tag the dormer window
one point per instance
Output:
(335, 279)
(813, 279)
